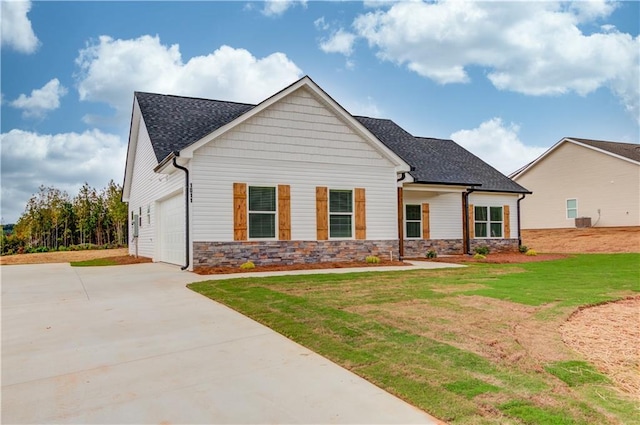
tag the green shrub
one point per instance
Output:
(248, 265)
(372, 259)
(482, 250)
(523, 248)
(479, 256)
(531, 253)
(431, 254)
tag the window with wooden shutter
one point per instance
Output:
(322, 220)
(239, 211)
(413, 217)
(361, 214)
(262, 212)
(487, 222)
(340, 213)
(284, 212)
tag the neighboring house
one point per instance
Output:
(297, 179)
(594, 181)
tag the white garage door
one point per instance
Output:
(172, 231)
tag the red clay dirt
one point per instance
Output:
(587, 240)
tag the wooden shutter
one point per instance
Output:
(506, 221)
(472, 224)
(426, 231)
(239, 211)
(284, 212)
(361, 214)
(322, 209)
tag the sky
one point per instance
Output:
(506, 80)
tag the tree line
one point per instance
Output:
(53, 220)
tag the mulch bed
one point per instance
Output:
(498, 258)
(313, 266)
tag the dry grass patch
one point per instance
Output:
(608, 335)
(62, 256)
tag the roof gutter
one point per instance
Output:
(167, 160)
(174, 156)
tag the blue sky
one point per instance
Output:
(506, 80)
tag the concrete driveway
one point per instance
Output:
(131, 344)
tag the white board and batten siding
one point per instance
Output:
(597, 181)
(297, 142)
(148, 191)
(445, 212)
(487, 199)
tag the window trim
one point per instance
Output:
(406, 221)
(567, 209)
(488, 222)
(350, 214)
(274, 213)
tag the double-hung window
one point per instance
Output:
(262, 212)
(572, 208)
(413, 220)
(488, 222)
(340, 213)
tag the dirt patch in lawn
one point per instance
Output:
(293, 267)
(608, 335)
(588, 240)
(63, 256)
(502, 331)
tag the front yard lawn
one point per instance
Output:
(478, 345)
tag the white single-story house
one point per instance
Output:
(581, 183)
(298, 179)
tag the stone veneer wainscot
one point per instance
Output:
(262, 253)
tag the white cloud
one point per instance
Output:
(41, 100)
(16, 27)
(498, 145)
(534, 48)
(278, 7)
(320, 24)
(368, 108)
(339, 42)
(111, 70)
(65, 161)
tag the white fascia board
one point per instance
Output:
(134, 127)
(166, 165)
(400, 165)
(434, 188)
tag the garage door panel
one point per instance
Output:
(172, 230)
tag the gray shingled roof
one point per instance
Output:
(627, 150)
(439, 161)
(175, 122)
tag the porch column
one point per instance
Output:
(400, 223)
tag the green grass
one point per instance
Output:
(575, 373)
(405, 331)
(94, 263)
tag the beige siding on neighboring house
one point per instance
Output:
(597, 181)
(297, 142)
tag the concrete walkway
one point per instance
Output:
(131, 344)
